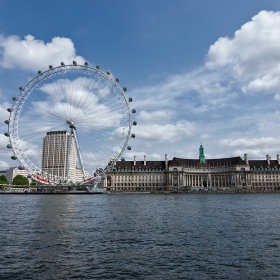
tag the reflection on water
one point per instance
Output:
(140, 236)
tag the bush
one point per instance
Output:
(20, 180)
(3, 180)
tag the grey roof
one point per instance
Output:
(263, 163)
(208, 162)
(149, 164)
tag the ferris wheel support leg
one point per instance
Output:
(69, 152)
(79, 153)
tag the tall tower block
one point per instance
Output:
(55, 150)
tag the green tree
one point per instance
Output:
(20, 180)
(3, 180)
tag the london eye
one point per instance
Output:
(69, 124)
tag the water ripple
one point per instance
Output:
(140, 237)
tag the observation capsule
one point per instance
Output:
(9, 146)
(62, 63)
(130, 99)
(6, 134)
(50, 66)
(13, 157)
(97, 67)
(133, 111)
(39, 72)
(20, 167)
(134, 123)
(132, 135)
(129, 148)
(108, 72)
(21, 88)
(74, 62)
(117, 80)
(86, 63)
(9, 110)
(124, 89)
(14, 98)
(6, 122)
(29, 176)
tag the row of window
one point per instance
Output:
(138, 184)
(139, 178)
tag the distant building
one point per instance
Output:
(14, 171)
(264, 174)
(193, 174)
(55, 151)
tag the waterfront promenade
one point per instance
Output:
(86, 190)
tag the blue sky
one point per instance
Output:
(198, 71)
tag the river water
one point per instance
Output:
(140, 236)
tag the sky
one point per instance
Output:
(198, 71)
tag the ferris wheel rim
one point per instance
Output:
(27, 90)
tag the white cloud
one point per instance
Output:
(4, 165)
(3, 110)
(157, 115)
(252, 55)
(3, 142)
(167, 132)
(198, 91)
(254, 147)
(269, 83)
(33, 54)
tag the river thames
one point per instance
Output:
(140, 236)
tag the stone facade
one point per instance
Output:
(193, 175)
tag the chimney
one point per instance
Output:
(268, 159)
(166, 162)
(278, 159)
(134, 160)
(144, 160)
(246, 159)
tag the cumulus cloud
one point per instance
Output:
(157, 115)
(33, 54)
(167, 132)
(4, 152)
(198, 91)
(3, 109)
(254, 147)
(269, 83)
(252, 55)
(245, 142)
(4, 165)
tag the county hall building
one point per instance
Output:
(180, 174)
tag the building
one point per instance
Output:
(136, 176)
(264, 174)
(55, 149)
(13, 172)
(181, 174)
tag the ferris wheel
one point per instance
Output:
(69, 124)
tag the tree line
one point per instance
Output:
(17, 180)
